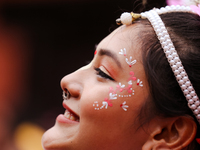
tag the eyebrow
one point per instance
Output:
(111, 55)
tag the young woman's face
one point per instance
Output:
(105, 99)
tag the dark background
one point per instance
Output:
(62, 37)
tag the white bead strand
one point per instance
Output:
(172, 56)
(169, 9)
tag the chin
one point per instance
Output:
(48, 141)
(51, 140)
(57, 138)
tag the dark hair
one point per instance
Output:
(166, 96)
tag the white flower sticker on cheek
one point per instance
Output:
(105, 104)
(112, 96)
(123, 52)
(96, 105)
(114, 92)
(139, 83)
(130, 62)
(124, 106)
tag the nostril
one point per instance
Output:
(66, 94)
(71, 87)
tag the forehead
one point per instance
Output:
(123, 37)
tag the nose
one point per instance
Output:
(73, 83)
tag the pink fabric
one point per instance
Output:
(174, 2)
(196, 9)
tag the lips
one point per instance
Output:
(70, 114)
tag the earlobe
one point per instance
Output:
(172, 133)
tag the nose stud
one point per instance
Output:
(66, 95)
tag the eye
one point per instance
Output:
(101, 73)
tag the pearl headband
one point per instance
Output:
(169, 50)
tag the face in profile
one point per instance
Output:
(105, 99)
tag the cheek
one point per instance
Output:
(106, 104)
(100, 99)
(114, 120)
(92, 99)
(96, 110)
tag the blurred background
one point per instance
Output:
(40, 42)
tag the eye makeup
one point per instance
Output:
(102, 74)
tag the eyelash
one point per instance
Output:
(102, 74)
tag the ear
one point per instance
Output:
(170, 133)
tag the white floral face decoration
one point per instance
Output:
(114, 92)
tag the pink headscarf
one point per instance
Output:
(194, 8)
(174, 2)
